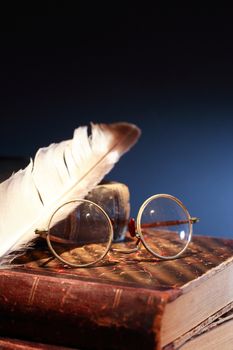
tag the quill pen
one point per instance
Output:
(60, 172)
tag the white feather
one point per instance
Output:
(60, 172)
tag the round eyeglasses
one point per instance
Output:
(80, 233)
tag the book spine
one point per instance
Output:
(79, 313)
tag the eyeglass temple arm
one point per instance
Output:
(192, 220)
(132, 226)
(44, 233)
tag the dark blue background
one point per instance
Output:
(170, 72)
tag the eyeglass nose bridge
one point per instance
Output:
(132, 227)
(133, 233)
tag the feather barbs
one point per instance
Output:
(59, 173)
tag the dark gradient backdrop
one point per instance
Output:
(170, 72)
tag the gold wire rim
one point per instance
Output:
(107, 247)
(139, 231)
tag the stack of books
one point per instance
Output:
(125, 302)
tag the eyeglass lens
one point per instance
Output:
(165, 226)
(83, 236)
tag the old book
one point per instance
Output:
(125, 302)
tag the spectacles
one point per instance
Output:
(80, 233)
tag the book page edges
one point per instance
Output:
(217, 338)
(211, 322)
(200, 298)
